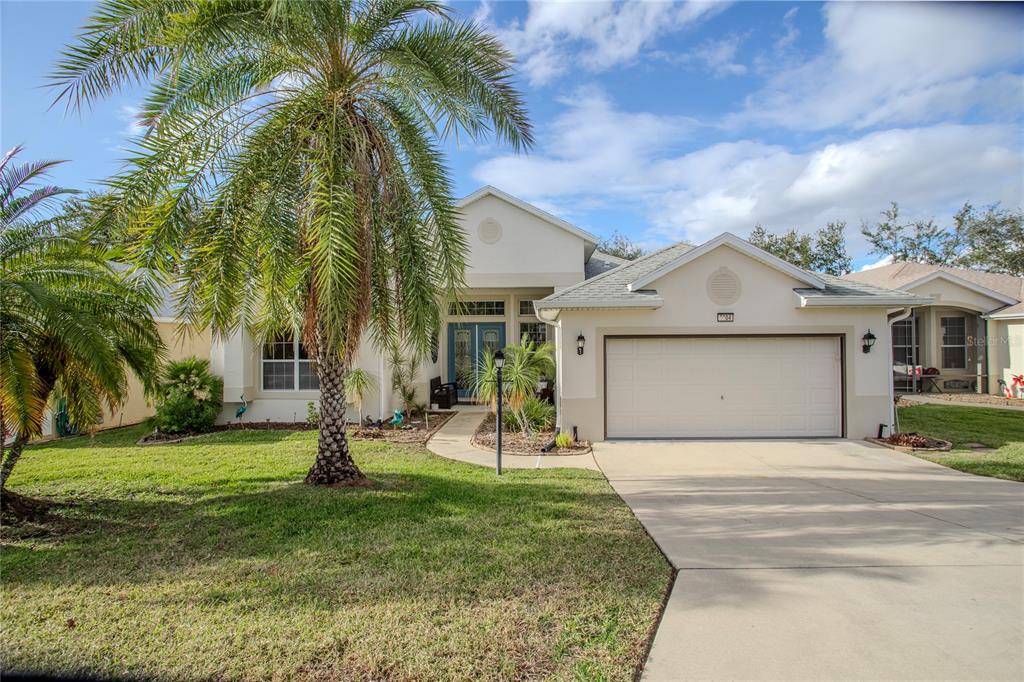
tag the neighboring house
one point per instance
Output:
(717, 340)
(972, 332)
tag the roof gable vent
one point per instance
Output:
(723, 286)
(489, 231)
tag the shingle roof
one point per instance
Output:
(839, 287)
(601, 263)
(610, 286)
(899, 275)
(610, 289)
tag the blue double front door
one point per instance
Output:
(468, 343)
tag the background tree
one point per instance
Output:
(292, 167)
(923, 241)
(620, 245)
(992, 239)
(825, 251)
(69, 324)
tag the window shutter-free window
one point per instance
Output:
(476, 308)
(286, 366)
(954, 342)
(537, 332)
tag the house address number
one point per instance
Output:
(726, 317)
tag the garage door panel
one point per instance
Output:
(722, 387)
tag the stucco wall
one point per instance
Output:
(948, 293)
(1014, 350)
(530, 253)
(136, 408)
(767, 305)
(242, 360)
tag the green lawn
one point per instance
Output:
(999, 429)
(210, 559)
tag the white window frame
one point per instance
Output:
(533, 321)
(942, 340)
(296, 363)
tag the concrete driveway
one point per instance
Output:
(827, 560)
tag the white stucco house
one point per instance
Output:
(714, 340)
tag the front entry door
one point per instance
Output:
(468, 343)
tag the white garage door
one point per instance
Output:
(723, 387)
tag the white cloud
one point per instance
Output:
(129, 116)
(559, 36)
(881, 263)
(897, 63)
(717, 56)
(585, 147)
(631, 160)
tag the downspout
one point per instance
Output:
(380, 384)
(893, 319)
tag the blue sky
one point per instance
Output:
(679, 120)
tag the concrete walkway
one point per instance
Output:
(827, 560)
(453, 441)
(927, 400)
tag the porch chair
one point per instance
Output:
(445, 396)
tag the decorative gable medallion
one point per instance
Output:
(489, 231)
(723, 286)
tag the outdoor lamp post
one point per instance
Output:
(499, 362)
(868, 340)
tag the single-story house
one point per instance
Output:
(968, 338)
(716, 340)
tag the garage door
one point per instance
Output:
(714, 387)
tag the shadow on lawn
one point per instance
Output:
(414, 535)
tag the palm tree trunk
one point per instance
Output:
(10, 459)
(334, 465)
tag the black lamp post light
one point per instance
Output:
(580, 341)
(499, 362)
(868, 340)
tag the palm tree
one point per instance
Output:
(69, 324)
(525, 365)
(306, 138)
(359, 382)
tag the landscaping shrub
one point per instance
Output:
(539, 416)
(189, 397)
(563, 440)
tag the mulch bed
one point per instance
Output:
(912, 442)
(513, 443)
(414, 431)
(976, 398)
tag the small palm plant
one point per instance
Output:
(359, 382)
(525, 365)
(403, 380)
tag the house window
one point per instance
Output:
(954, 342)
(526, 308)
(472, 308)
(287, 366)
(537, 332)
(904, 350)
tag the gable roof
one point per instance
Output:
(601, 262)
(1007, 289)
(621, 287)
(590, 240)
(744, 247)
